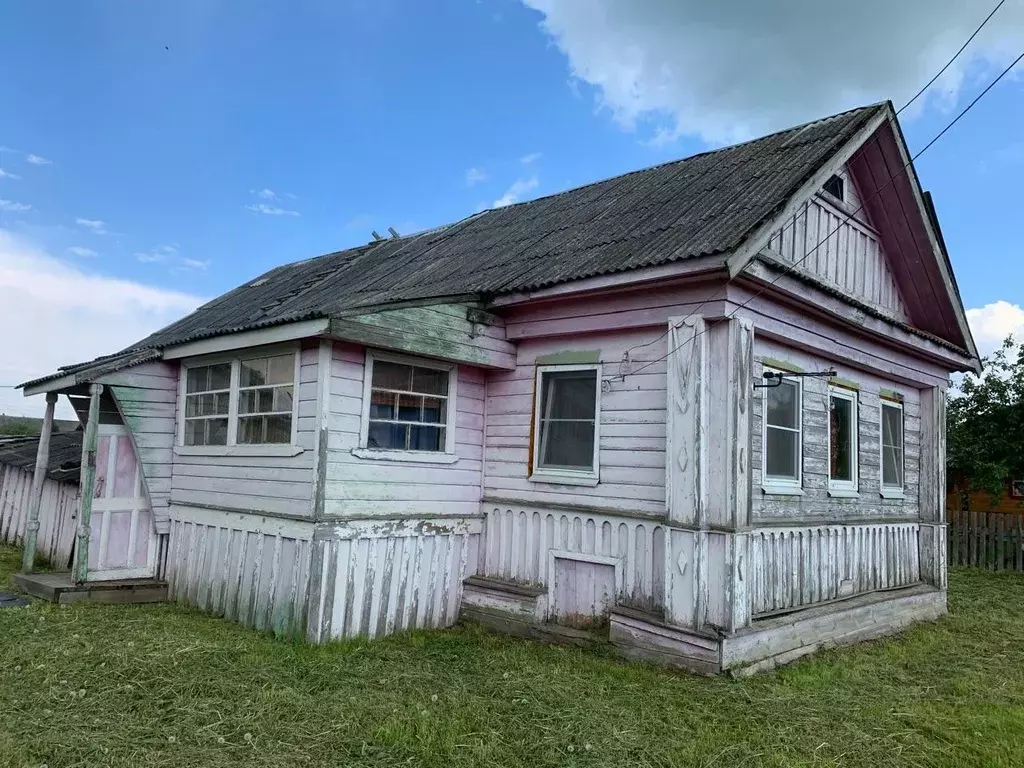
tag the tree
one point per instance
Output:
(986, 424)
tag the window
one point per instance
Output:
(842, 441)
(408, 407)
(782, 435)
(568, 402)
(834, 186)
(892, 448)
(1017, 489)
(239, 401)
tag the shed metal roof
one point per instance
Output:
(65, 459)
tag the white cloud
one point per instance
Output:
(266, 194)
(66, 315)
(78, 250)
(994, 322)
(733, 69)
(5, 148)
(270, 210)
(93, 225)
(475, 175)
(195, 264)
(513, 194)
(531, 158)
(37, 160)
(8, 175)
(158, 255)
(13, 207)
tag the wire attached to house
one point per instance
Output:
(892, 179)
(625, 356)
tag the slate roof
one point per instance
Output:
(65, 454)
(703, 205)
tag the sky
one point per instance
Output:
(154, 155)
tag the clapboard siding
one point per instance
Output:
(824, 241)
(240, 566)
(797, 567)
(518, 542)
(816, 504)
(632, 439)
(279, 485)
(147, 397)
(57, 513)
(361, 487)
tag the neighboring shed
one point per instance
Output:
(60, 493)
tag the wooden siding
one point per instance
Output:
(359, 487)
(147, 397)
(815, 503)
(632, 434)
(519, 542)
(243, 567)
(798, 567)
(57, 514)
(276, 485)
(375, 585)
(844, 252)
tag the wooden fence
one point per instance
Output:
(56, 514)
(990, 540)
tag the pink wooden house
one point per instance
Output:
(700, 407)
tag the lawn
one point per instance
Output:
(162, 685)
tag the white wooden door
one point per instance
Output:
(122, 540)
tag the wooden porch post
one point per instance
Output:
(88, 485)
(28, 557)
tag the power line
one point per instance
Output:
(850, 216)
(892, 179)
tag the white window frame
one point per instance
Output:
(783, 486)
(448, 456)
(891, 491)
(539, 474)
(843, 488)
(233, 448)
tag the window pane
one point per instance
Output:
(435, 410)
(568, 395)
(282, 398)
(206, 432)
(567, 444)
(841, 439)
(782, 405)
(251, 429)
(386, 436)
(281, 369)
(892, 426)
(279, 429)
(382, 405)
(426, 438)
(409, 407)
(781, 458)
(204, 378)
(430, 381)
(253, 373)
(892, 467)
(388, 375)
(247, 401)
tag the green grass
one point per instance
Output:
(163, 685)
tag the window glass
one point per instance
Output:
(567, 419)
(782, 431)
(842, 438)
(892, 446)
(207, 401)
(408, 407)
(266, 387)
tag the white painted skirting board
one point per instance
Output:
(794, 567)
(248, 568)
(373, 580)
(519, 541)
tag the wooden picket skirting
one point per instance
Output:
(993, 541)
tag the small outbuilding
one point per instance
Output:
(699, 406)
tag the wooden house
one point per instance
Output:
(701, 405)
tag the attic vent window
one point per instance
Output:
(834, 186)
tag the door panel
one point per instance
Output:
(121, 541)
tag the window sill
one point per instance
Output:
(782, 490)
(843, 493)
(564, 478)
(416, 457)
(238, 450)
(892, 493)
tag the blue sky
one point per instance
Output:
(191, 145)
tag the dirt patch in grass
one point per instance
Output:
(166, 686)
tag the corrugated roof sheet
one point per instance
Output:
(702, 205)
(65, 454)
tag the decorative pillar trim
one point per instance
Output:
(28, 557)
(87, 488)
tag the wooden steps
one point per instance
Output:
(59, 588)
